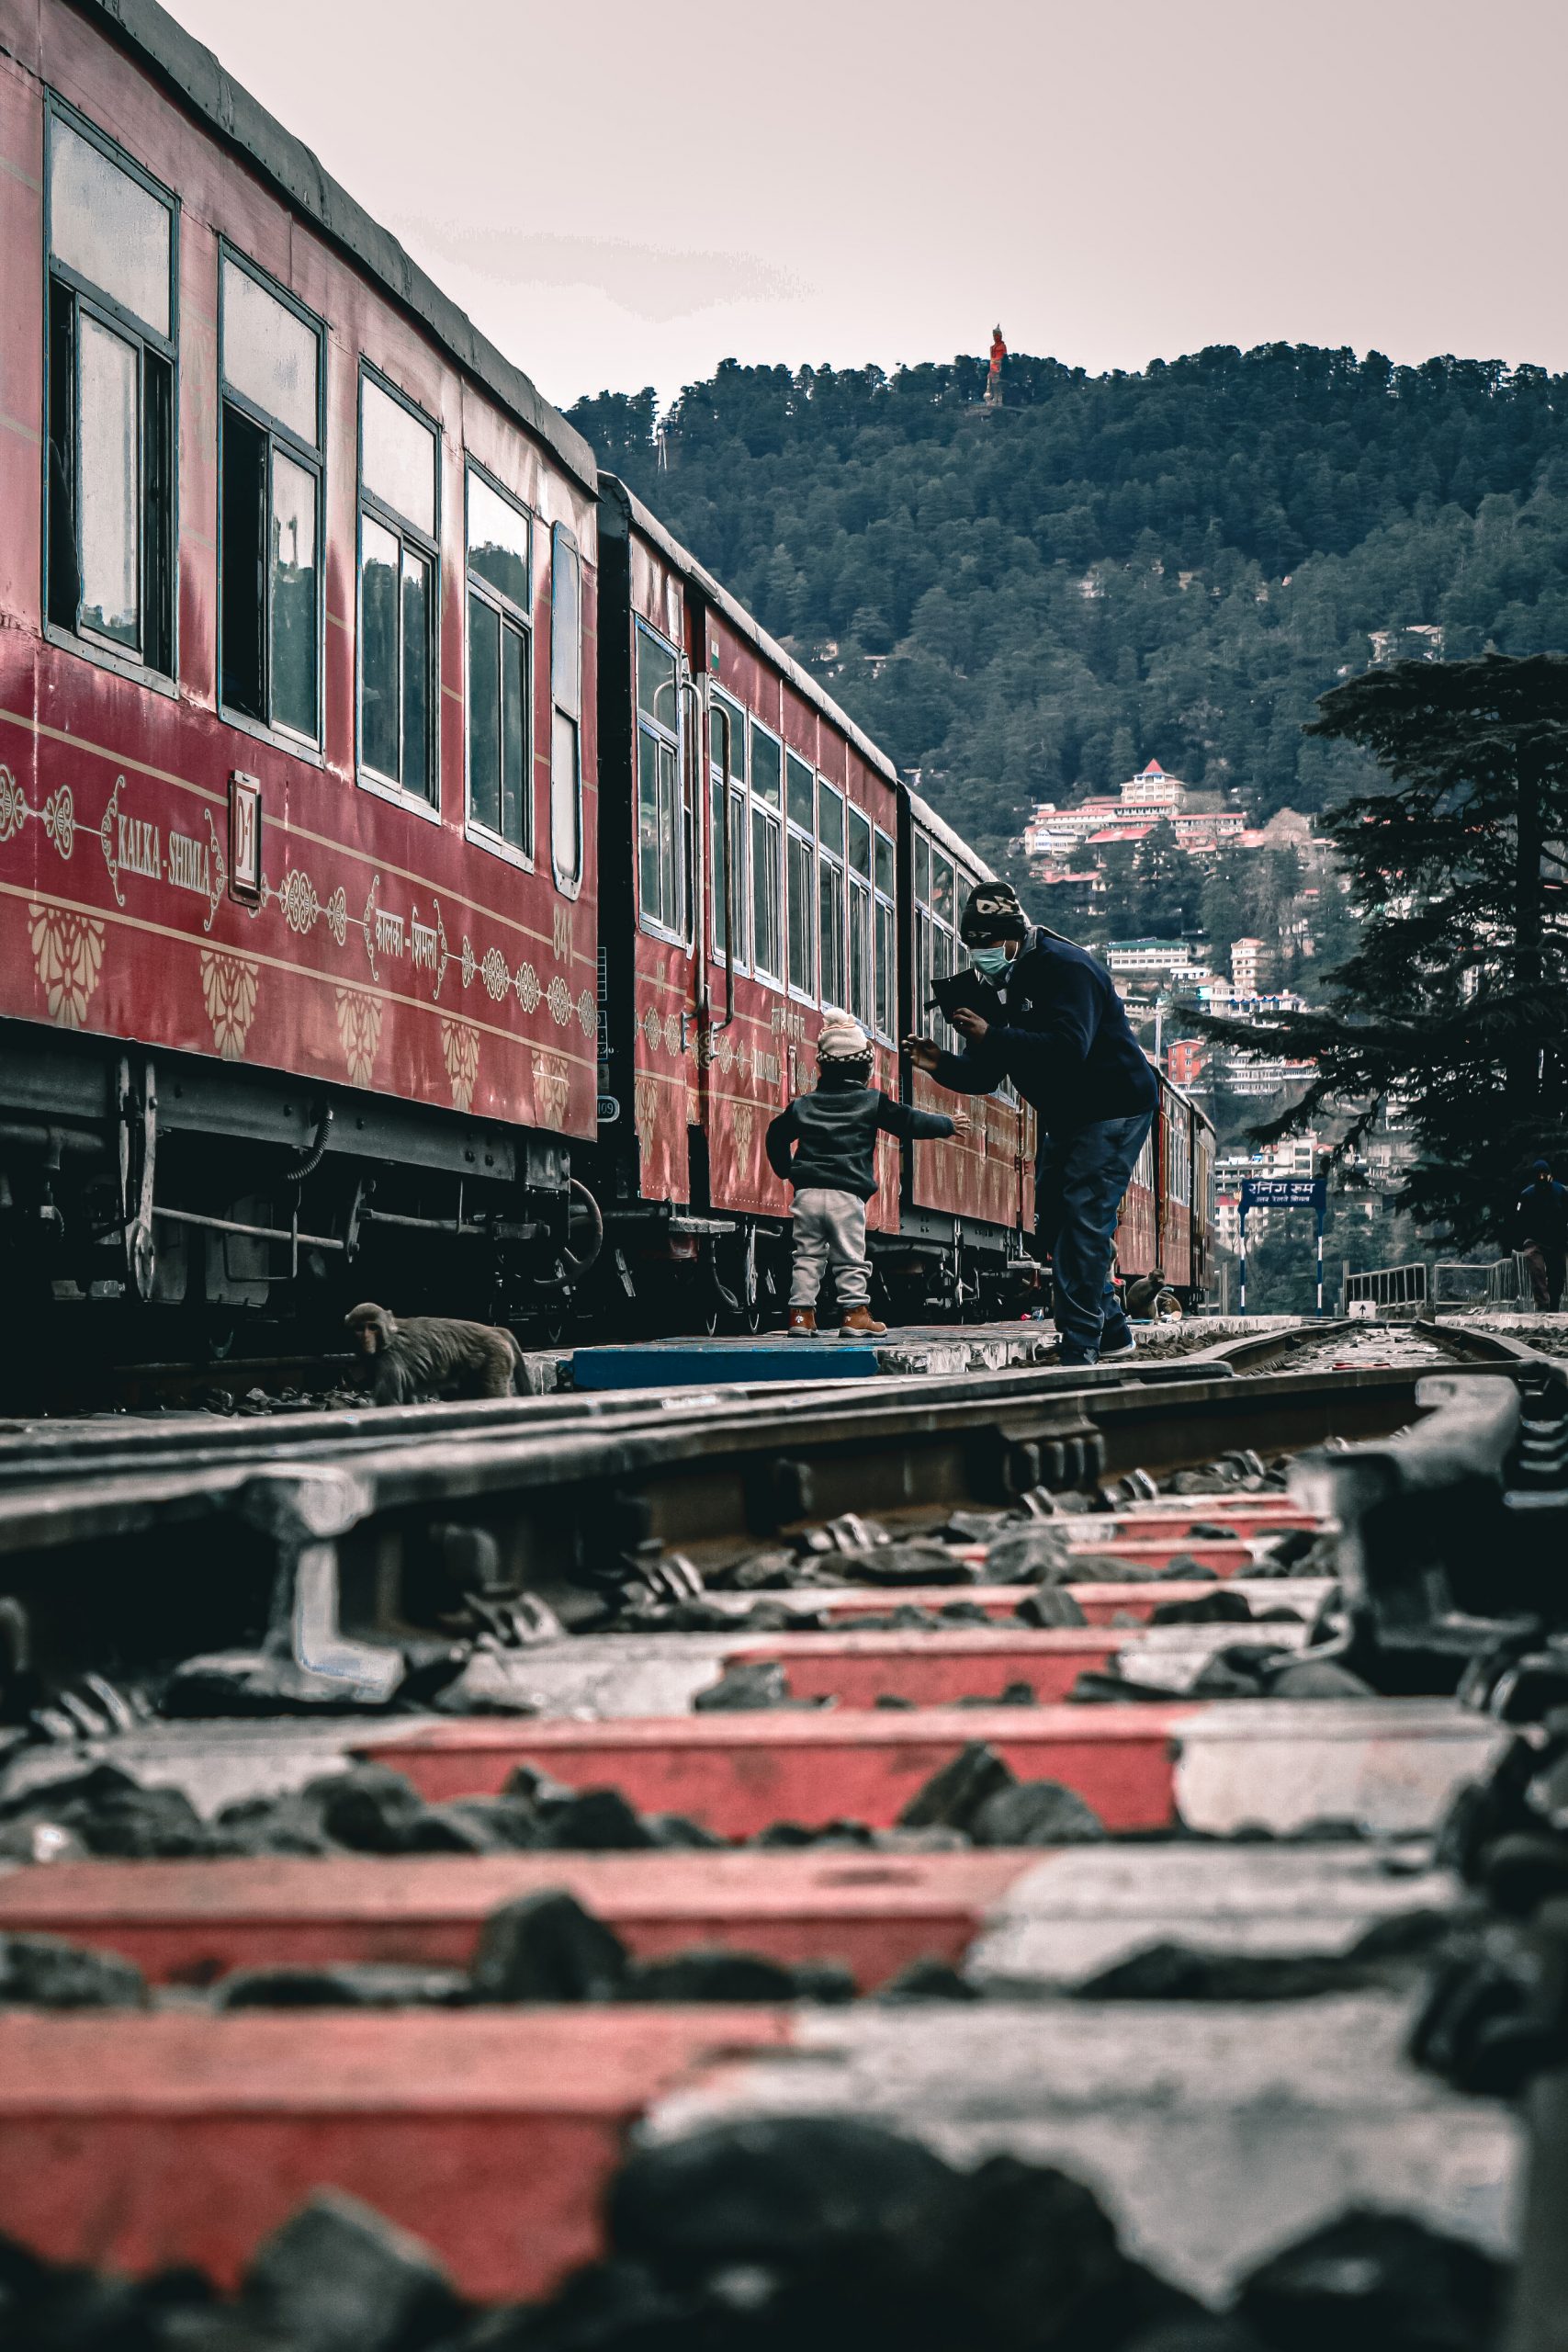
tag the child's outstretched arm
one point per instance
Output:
(917, 1127)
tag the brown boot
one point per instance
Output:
(802, 1322)
(863, 1323)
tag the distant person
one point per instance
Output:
(1541, 1226)
(825, 1145)
(1061, 1035)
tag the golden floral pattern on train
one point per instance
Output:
(359, 1032)
(228, 989)
(68, 954)
(58, 815)
(150, 849)
(552, 1086)
(460, 1052)
(645, 1111)
(745, 1123)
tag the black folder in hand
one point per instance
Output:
(966, 991)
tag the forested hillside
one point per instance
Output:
(1026, 604)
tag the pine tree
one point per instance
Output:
(1455, 1000)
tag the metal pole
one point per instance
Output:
(1320, 1272)
(1241, 1263)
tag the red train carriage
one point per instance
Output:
(748, 861)
(298, 757)
(1168, 1214)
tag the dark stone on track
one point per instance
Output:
(1024, 2258)
(47, 1973)
(373, 1810)
(1178, 1972)
(593, 1821)
(910, 1563)
(1032, 1555)
(1220, 1607)
(1240, 1671)
(1375, 2282)
(713, 1974)
(1406, 1935)
(759, 1682)
(284, 1825)
(349, 1985)
(796, 1834)
(791, 2196)
(1050, 1605)
(1036, 1812)
(953, 1795)
(1012, 1694)
(770, 1570)
(929, 1980)
(338, 2278)
(675, 1834)
(548, 1947)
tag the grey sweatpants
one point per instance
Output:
(830, 1230)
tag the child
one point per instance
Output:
(825, 1145)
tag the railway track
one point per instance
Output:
(1066, 1870)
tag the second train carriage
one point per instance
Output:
(761, 863)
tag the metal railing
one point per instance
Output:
(1496, 1282)
(1388, 1286)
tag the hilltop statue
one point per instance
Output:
(994, 378)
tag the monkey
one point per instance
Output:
(428, 1353)
(1150, 1294)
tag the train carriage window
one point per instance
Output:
(660, 816)
(859, 918)
(767, 855)
(269, 603)
(398, 599)
(565, 691)
(732, 733)
(800, 851)
(500, 669)
(830, 894)
(887, 976)
(110, 535)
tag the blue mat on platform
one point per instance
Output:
(706, 1364)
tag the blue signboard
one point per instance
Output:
(1284, 1193)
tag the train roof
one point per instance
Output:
(192, 74)
(643, 519)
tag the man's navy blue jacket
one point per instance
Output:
(1542, 1214)
(1062, 1038)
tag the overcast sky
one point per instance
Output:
(623, 195)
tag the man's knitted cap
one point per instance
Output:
(840, 1039)
(992, 912)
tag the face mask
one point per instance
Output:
(990, 961)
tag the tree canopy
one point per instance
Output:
(1454, 1000)
(1029, 603)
